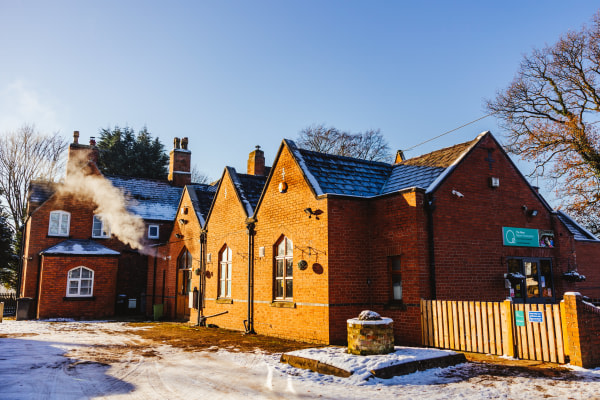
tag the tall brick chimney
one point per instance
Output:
(256, 162)
(180, 163)
(81, 155)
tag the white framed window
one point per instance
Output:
(284, 268)
(100, 228)
(59, 223)
(80, 282)
(225, 272)
(153, 231)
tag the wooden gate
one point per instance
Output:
(526, 331)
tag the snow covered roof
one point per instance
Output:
(201, 196)
(79, 247)
(341, 175)
(332, 174)
(248, 187)
(578, 231)
(150, 199)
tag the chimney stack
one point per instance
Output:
(81, 155)
(180, 163)
(256, 162)
(399, 157)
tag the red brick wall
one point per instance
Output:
(282, 214)
(588, 264)
(470, 257)
(582, 321)
(53, 286)
(226, 227)
(132, 268)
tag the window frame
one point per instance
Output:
(184, 263)
(79, 280)
(157, 231)
(542, 284)
(104, 228)
(60, 214)
(395, 273)
(225, 281)
(287, 262)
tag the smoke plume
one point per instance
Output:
(110, 201)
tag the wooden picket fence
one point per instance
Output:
(490, 328)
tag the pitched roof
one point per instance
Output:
(578, 231)
(442, 158)
(79, 247)
(248, 187)
(148, 198)
(201, 196)
(40, 191)
(333, 174)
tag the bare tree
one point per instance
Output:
(25, 155)
(369, 145)
(551, 111)
(199, 176)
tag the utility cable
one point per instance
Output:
(450, 131)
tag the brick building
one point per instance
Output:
(322, 237)
(296, 249)
(73, 265)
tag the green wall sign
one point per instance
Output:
(520, 237)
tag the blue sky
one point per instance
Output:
(234, 74)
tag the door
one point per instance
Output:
(184, 284)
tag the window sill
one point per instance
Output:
(395, 305)
(79, 298)
(224, 301)
(283, 304)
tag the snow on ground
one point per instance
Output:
(102, 360)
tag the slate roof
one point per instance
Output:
(202, 197)
(148, 198)
(341, 175)
(249, 188)
(332, 174)
(80, 248)
(40, 191)
(578, 231)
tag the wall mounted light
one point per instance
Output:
(209, 257)
(167, 258)
(183, 221)
(532, 213)
(309, 212)
(178, 235)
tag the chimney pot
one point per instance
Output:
(75, 137)
(176, 143)
(184, 143)
(92, 141)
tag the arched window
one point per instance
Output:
(59, 223)
(80, 282)
(184, 264)
(284, 268)
(225, 272)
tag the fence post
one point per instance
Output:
(507, 328)
(1, 311)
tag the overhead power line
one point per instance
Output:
(450, 131)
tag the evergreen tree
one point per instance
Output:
(122, 152)
(9, 261)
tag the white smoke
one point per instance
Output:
(110, 201)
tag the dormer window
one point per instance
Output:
(59, 223)
(100, 229)
(153, 232)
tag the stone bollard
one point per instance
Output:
(370, 334)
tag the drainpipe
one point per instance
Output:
(429, 208)
(201, 283)
(250, 224)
